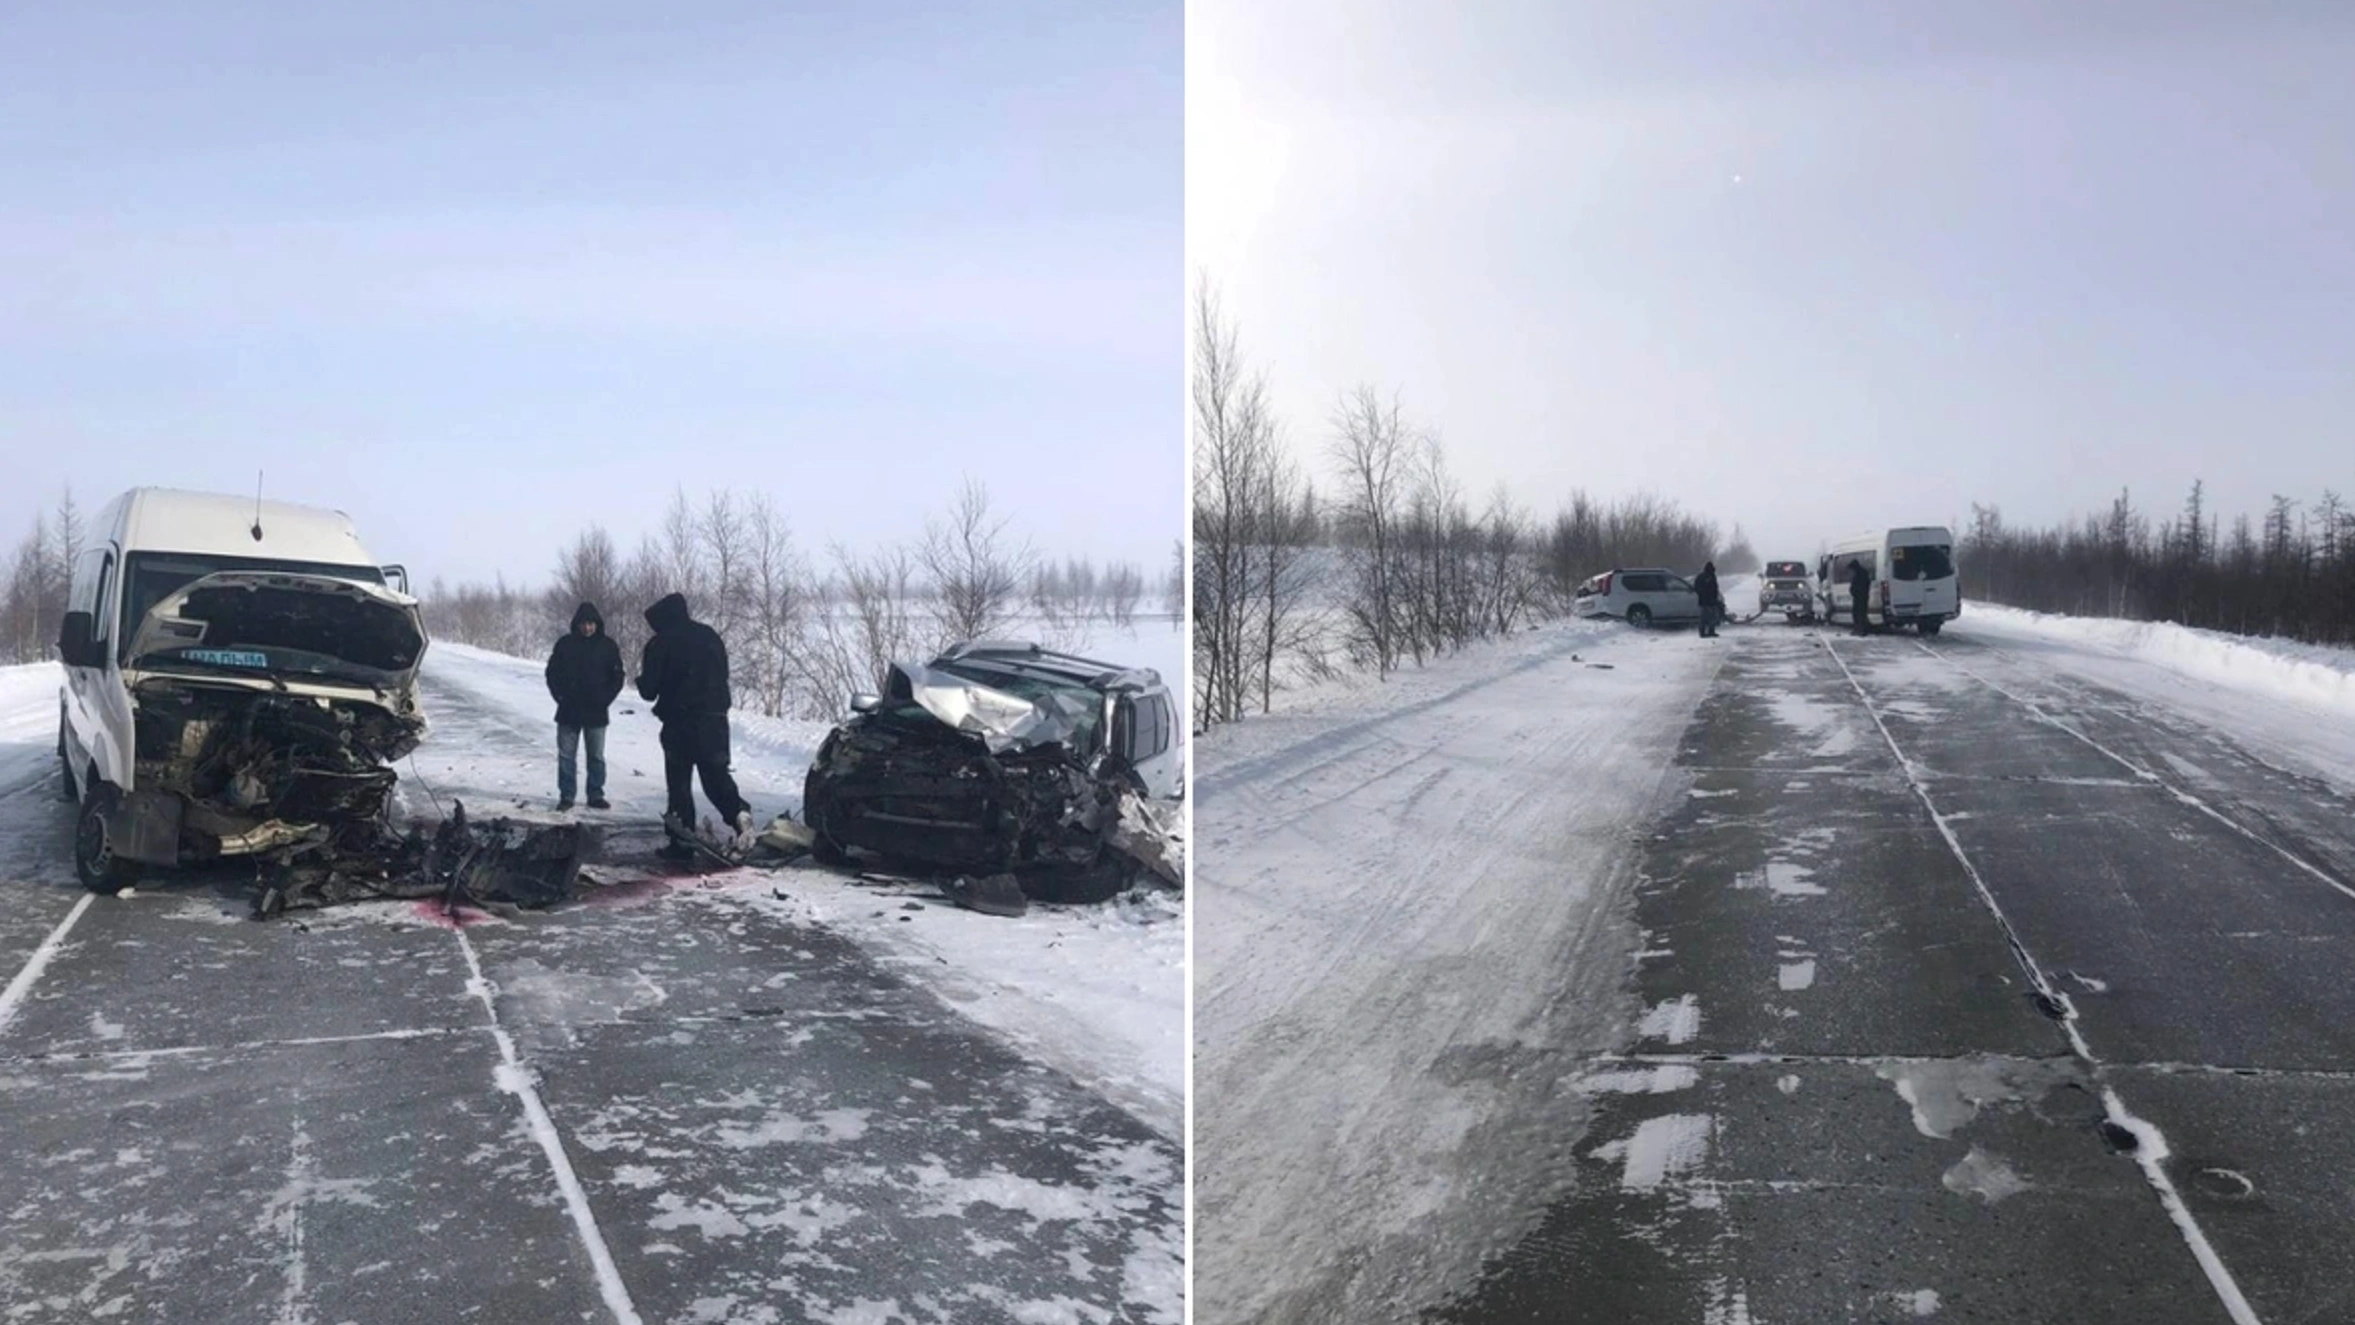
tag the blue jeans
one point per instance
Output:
(568, 740)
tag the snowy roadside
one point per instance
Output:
(28, 724)
(2292, 702)
(1407, 891)
(1096, 992)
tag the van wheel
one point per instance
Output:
(1931, 627)
(95, 862)
(1639, 616)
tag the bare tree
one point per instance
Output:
(774, 588)
(1232, 445)
(1371, 449)
(972, 566)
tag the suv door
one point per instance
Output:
(1677, 600)
(1152, 749)
(1633, 589)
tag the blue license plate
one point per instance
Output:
(227, 657)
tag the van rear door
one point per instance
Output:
(1921, 580)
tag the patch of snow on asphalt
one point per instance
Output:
(1664, 1147)
(1677, 1020)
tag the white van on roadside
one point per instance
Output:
(1913, 578)
(239, 676)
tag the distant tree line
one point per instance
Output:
(803, 633)
(1395, 567)
(2290, 574)
(33, 581)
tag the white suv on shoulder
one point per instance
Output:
(1639, 595)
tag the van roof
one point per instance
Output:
(1902, 533)
(172, 520)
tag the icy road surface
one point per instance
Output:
(1789, 977)
(756, 1098)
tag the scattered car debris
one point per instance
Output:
(504, 863)
(991, 895)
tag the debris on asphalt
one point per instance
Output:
(522, 866)
(991, 895)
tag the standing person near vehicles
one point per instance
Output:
(684, 674)
(1712, 601)
(1860, 587)
(584, 677)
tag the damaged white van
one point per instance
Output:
(240, 676)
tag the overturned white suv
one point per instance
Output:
(239, 678)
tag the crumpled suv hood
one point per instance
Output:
(279, 623)
(1003, 721)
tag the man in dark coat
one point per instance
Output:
(584, 676)
(684, 674)
(1860, 587)
(1712, 601)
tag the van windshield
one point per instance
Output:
(151, 577)
(1927, 561)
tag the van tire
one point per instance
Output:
(1639, 616)
(1931, 627)
(95, 863)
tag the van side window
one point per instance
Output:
(81, 593)
(102, 629)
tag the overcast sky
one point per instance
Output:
(1806, 266)
(480, 273)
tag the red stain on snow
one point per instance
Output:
(433, 913)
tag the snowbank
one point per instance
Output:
(2315, 675)
(28, 724)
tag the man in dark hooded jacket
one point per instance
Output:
(1712, 601)
(1860, 588)
(684, 674)
(584, 676)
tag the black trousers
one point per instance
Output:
(696, 746)
(1856, 608)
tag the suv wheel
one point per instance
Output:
(1639, 616)
(94, 860)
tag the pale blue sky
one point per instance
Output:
(1810, 265)
(479, 273)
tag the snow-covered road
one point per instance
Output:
(1404, 920)
(753, 1098)
(2000, 976)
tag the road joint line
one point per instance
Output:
(2150, 1151)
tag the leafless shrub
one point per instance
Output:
(972, 565)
